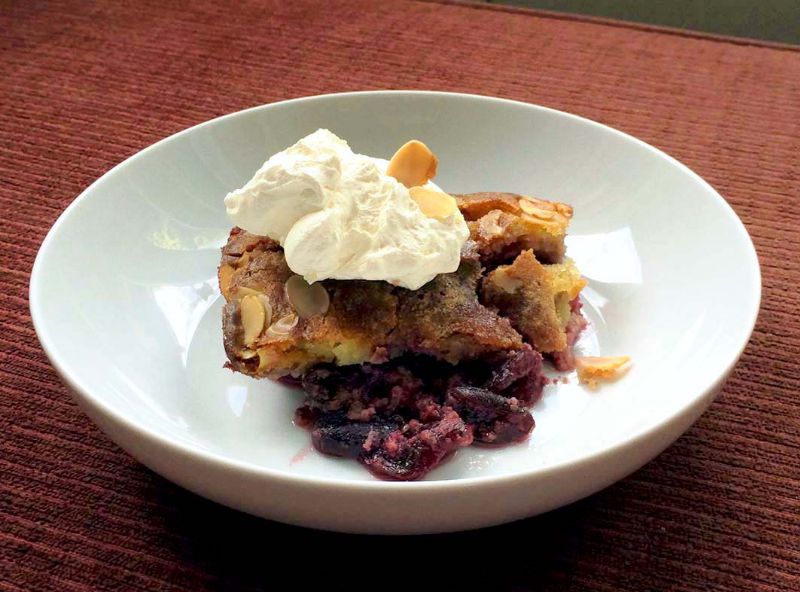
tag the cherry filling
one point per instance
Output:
(403, 418)
(495, 419)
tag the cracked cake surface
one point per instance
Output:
(365, 321)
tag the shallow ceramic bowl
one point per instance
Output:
(125, 301)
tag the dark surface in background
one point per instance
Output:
(773, 20)
(87, 84)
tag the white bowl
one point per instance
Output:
(125, 301)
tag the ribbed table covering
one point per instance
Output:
(86, 84)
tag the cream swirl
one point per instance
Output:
(338, 215)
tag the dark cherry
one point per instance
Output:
(406, 457)
(527, 390)
(518, 364)
(335, 434)
(321, 383)
(496, 419)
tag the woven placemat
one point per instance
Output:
(86, 84)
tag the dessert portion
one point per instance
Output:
(416, 322)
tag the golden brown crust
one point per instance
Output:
(240, 242)
(505, 224)
(521, 291)
(236, 256)
(365, 321)
(474, 206)
(535, 298)
(444, 318)
(370, 321)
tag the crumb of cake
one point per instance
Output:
(595, 369)
(536, 298)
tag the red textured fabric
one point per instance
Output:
(87, 84)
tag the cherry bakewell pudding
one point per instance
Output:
(416, 322)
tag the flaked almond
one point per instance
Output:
(224, 275)
(542, 204)
(593, 369)
(489, 225)
(534, 211)
(248, 354)
(253, 317)
(413, 164)
(265, 302)
(283, 326)
(434, 204)
(551, 214)
(306, 299)
(563, 209)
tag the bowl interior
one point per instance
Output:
(125, 297)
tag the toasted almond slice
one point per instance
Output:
(529, 208)
(265, 302)
(224, 275)
(413, 164)
(248, 354)
(306, 299)
(552, 216)
(563, 209)
(543, 204)
(253, 317)
(434, 204)
(283, 326)
(242, 291)
(489, 225)
(592, 369)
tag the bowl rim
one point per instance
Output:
(154, 436)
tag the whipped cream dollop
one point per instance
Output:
(338, 215)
